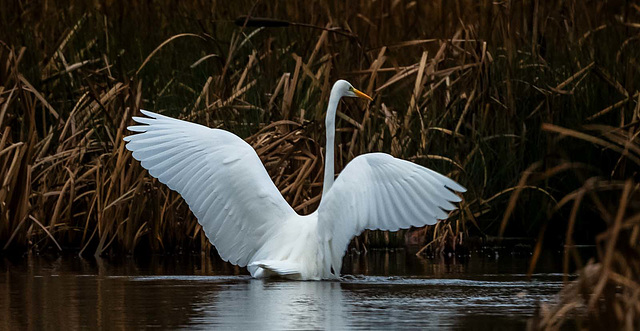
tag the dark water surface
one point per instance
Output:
(383, 290)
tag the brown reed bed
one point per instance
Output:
(476, 90)
(606, 293)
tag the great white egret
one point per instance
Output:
(246, 218)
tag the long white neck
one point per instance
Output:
(330, 122)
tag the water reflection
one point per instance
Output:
(276, 305)
(390, 290)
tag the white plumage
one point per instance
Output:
(246, 218)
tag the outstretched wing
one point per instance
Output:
(378, 191)
(219, 175)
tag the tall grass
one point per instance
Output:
(606, 293)
(462, 87)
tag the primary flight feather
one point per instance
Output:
(246, 218)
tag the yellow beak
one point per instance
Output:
(361, 95)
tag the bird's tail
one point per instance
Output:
(285, 269)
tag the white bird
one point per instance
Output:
(246, 218)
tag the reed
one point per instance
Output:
(462, 87)
(605, 293)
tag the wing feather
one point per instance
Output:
(220, 177)
(378, 191)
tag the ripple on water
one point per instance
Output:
(382, 280)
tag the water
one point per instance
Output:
(386, 290)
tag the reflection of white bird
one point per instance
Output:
(249, 222)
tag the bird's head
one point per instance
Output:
(345, 89)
